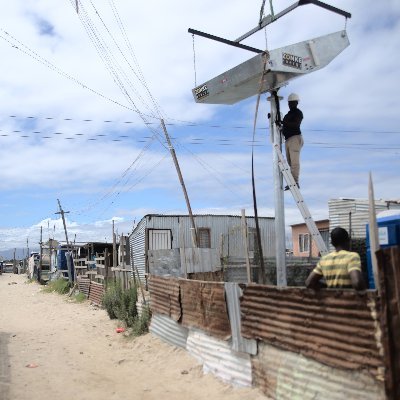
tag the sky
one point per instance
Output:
(83, 94)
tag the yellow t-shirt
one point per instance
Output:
(336, 266)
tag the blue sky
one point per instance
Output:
(57, 93)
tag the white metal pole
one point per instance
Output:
(373, 232)
(280, 245)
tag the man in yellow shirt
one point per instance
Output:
(341, 268)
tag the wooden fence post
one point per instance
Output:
(106, 267)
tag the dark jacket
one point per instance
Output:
(291, 123)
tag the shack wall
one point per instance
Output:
(303, 344)
(137, 242)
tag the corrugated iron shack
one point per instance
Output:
(352, 214)
(162, 244)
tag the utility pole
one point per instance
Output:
(122, 247)
(62, 212)
(178, 170)
(280, 238)
(41, 254)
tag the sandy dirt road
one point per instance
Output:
(79, 356)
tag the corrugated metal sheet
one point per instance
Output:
(204, 307)
(290, 376)
(200, 260)
(168, 330)
(217, 357)
(165, 296)
(217, 276)
(84, 285)
(389, 283)
(96, 293)
(338, 328)
(233, 293)
(137, 245)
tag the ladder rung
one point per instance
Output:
(285, 169)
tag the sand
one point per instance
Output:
(53, 348)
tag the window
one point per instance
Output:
(204, 238)
(159, 239)
(304, 242)
(325, 236)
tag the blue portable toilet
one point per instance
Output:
(62, 261)
(388, 234)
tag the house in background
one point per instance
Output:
(352, 214)
(162, 244)
(303, 246)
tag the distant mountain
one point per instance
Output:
(19, 253)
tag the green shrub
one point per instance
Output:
(127, 311)
(142, 322)
(112, 300)
(121, 304)
(60, 286)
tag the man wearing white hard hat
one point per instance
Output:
(293, 138)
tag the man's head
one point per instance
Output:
(340, 238)
(293, 101)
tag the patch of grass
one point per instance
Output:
(60, 286)
(79, 298)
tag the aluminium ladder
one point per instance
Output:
(315, 234)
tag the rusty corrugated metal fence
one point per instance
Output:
(389, 282)
(165, 296)
(337, 328)
(308, 344)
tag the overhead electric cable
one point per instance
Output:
(120, 69)
(128, 44)
(139, 180)
(31, 53)
(213, 126)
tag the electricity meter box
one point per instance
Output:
(388, 234)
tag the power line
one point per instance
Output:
(31, 53)
(214, 126)
(214, 141)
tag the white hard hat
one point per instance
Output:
(293, 97)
